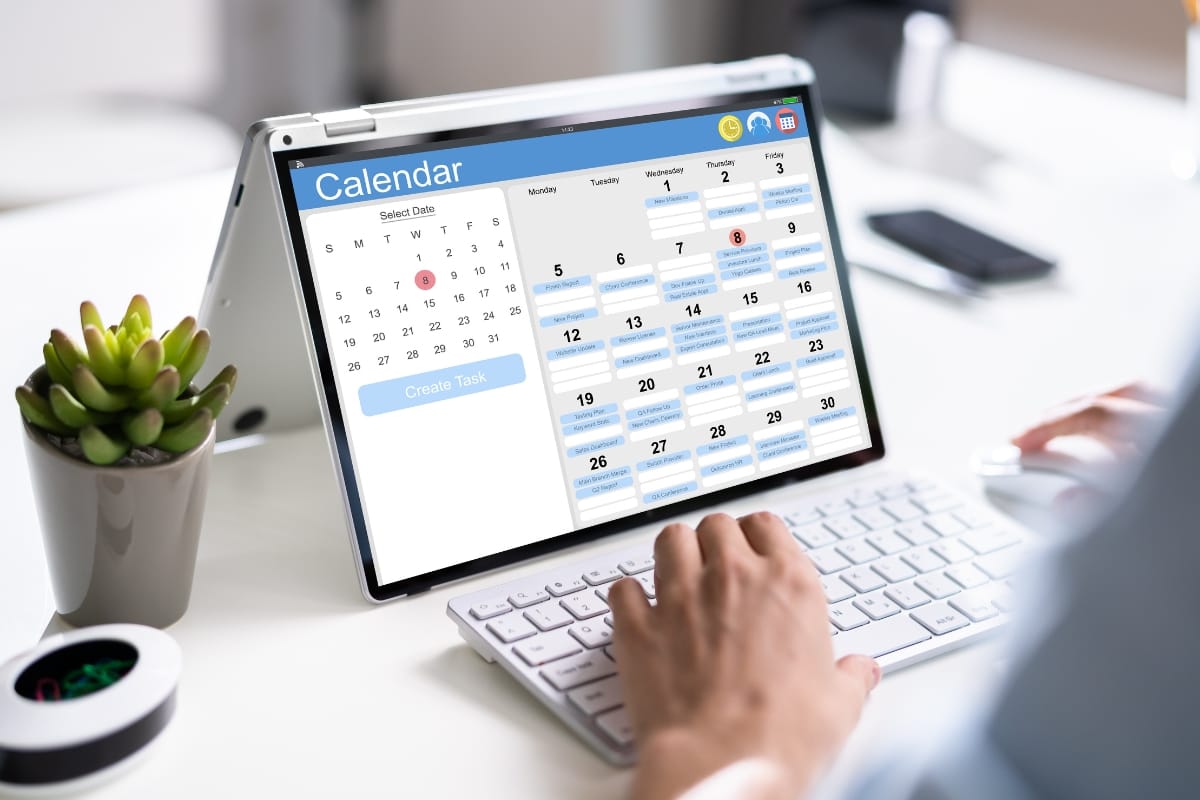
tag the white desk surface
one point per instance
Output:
(292, 683)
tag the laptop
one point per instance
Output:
(545, 316)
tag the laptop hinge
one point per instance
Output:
(344, 123)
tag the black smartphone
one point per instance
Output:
(959, 247)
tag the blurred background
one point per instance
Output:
(163, 90)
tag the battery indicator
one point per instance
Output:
(790, 100)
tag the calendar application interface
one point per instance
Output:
(538, 334)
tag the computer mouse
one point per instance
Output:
(1040, 478)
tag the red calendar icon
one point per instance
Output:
(786, 120)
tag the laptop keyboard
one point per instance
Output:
(909, 567)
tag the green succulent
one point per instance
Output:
(124, 388)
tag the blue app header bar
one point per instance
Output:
(416, 173)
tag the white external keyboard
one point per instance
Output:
(910, 569)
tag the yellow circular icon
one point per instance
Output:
(730, 128)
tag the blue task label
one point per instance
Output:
(813, 330)
(791, 200)
(800, 250)
(696, 324)
(782, 450)
(637, 336)
(664, 460)
(688, 294)
(820, 358)
(796, 272)
(743, 261)
(666, 494)
(581, 349)
(568, 317)
(755, 333)
(723, 444)
(588, 413)
(727, 466)
(754, 322)
(787, 191)
(744, 250)
(769, 392)
(642, 358)
(830, 416)
(732, 211)
(672, 199)
(562, 285)
(709, 385)
(441, 384)
(703, 344)
(626, 283)
(764, 372)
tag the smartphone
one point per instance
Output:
(959, 247)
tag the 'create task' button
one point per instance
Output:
(441, 384)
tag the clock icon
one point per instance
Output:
(730, 128)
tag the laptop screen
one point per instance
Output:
(565, 328)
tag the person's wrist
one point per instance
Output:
(672, 761)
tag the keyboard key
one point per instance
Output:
(923, 560)
(937, 586)
(893, 570)
(599, 696)
(599, 575)
(836, 589)
(616, 726)
(608, 620)
(874, 518)
(939, 618)
(977, 607)
(945, 524)
(999, 565)
(831, 507)
(608, 651)
(592, 634)
(952, 550)
(632, 566)
(894, 490)
(880, 638)
(887, 542)
(858, 551)
(915, 533)
(489, 609)
(967, 576)
(845, 526)
(863, 579)
(989, 540)
(903, 510)
(584, 605)
(802, 516)
(578, 670)
(814, 536)
(922, 484)
(548, 616)
(906, 595)
(974, 517)
(565, 586)
(876, 606)
(547, 648)
(861, 498)
(525, 599)
(511, 628)
(647, 582)
(936, 500)
(828, 560)
(846, 616)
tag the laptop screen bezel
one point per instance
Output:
(335, 421)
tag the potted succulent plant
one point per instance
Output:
(119, 443)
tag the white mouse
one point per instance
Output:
(1068, 462)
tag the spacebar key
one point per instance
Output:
(880, 638)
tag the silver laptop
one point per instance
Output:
(548, 315)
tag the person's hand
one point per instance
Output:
(735, 661)
(1118, 419)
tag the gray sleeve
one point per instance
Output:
(1103, 701)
